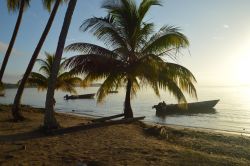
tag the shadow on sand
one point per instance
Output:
(39, 133)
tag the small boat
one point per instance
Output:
(85, 96)
(190, 108)
(1, 94)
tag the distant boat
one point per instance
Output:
(85, 96)
(191, 108)
(113, 91)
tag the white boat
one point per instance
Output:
(189, 108)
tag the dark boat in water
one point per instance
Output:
(189, 108)
(85, 96)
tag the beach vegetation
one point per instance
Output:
(66, 80)
(134, 54)
(50, 121)
(47, 5)
(13, 6)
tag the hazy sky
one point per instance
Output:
(218, 30)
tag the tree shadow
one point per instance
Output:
(40, 133)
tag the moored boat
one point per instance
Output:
(85, 96)
(189, 108)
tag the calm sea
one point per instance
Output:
(232, 112)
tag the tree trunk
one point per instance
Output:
(128, 113)
(17, 100)
(49, 118)
(12, 40)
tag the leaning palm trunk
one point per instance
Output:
(128, 113)
(50, 121)
(17, 100)
(12, 41)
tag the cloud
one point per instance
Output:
(225, 26)
(4, 47)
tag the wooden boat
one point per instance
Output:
(85, 96)
(189, 108)
(2, 93)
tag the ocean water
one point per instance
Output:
(232, 112)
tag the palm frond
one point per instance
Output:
(66, 80)
(182, 76)
(88, 48)
(126, 16)
(112, 80)
(14, 5)
(67, 83)
(146, 5)
(143, 35)
(166, 39)
(106, 30)
(38, 80)
(47, 4)
(81, 64)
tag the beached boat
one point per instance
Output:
(85, 96)
(189, 108)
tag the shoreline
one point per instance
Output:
(123, 144)
(168, 125)
(176, 126)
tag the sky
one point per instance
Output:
(218, 31)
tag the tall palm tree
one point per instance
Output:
(13, 5)
(15, 108)
(66, 80)
(136, 53)
(50, 121)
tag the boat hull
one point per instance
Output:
(190, 108)
(85, 96)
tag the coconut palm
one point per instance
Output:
(13, 6)
(47, 5)
(66, 80)
(50, 121)
(134, 54)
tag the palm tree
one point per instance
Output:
(50, 121)
(13, 5)
(136, 57)
(15, 108)
(66, 80)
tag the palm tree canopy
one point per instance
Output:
(14, 5)
(47, 4)
(134, 52)
(66, 80)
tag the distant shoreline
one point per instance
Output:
(13, 86)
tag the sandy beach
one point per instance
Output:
(125, 144)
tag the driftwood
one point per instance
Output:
(94, 125)
(107, 118)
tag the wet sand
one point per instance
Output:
(23, 143)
